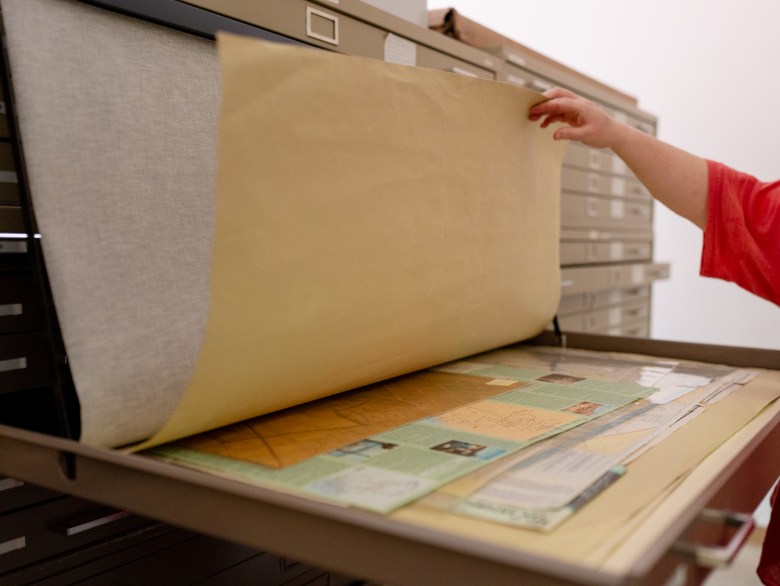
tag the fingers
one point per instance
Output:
(567, 107)
(552, 118)
(569, 133)
(560, 105)
(563, 108)
(559, 92)
(582, 119)
(552, 96)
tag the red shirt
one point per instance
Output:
(742, 237)
(769, 565)
(742, 245)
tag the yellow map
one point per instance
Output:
(513, 422)
(292, 435)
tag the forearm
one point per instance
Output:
(673, 176)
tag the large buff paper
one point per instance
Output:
(371, 220)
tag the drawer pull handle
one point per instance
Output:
(11, 309)
(541, 86)
(462, 71)
(80, 526)
(709, 556)
(12, 246)
(13, 545)
(322, 26)
(517, 80)
(13, 364)
(594, 160)
(9, 483)
(516, 59)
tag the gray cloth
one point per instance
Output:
(118, 120)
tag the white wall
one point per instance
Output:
(709, 71)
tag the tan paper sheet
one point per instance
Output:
(371, 220)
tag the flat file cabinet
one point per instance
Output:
(606, 252)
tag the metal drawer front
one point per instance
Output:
(32, 534)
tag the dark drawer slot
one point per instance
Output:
(9, 188)
(11, 222)
(20, 307)
(7, 162)
(23, 362)
(39, 532)
(3, 121)
(15, 494)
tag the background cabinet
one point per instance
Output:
(606, 213)
(606, 245)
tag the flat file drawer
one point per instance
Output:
(207, 561)
(646, 126)
(427, 57)
(605, 161)
(7, 163)
(579, 181)
(635, 189)
(598, 278)
(584, 157)
(35, 533)
(15, 494)
(10, 222)
(20, 306)
(523, 77)
(600, 183)
(597, 211)
(519, 60)
(15, 255)
(23, 362)
(579, 252)
(637, 328)
(9, 188)
(600, 320)
(337, 31)
(3, 120)
(9, 181)
(598, 299)
(305, 21)
(328, 27)
(159, 555)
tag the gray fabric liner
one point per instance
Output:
(119, 140)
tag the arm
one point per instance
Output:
(675, 177)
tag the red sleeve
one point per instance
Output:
(769, 564)
(742, 237)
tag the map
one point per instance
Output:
(292, 435)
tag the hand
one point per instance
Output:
(586, 122)
(675, 177)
